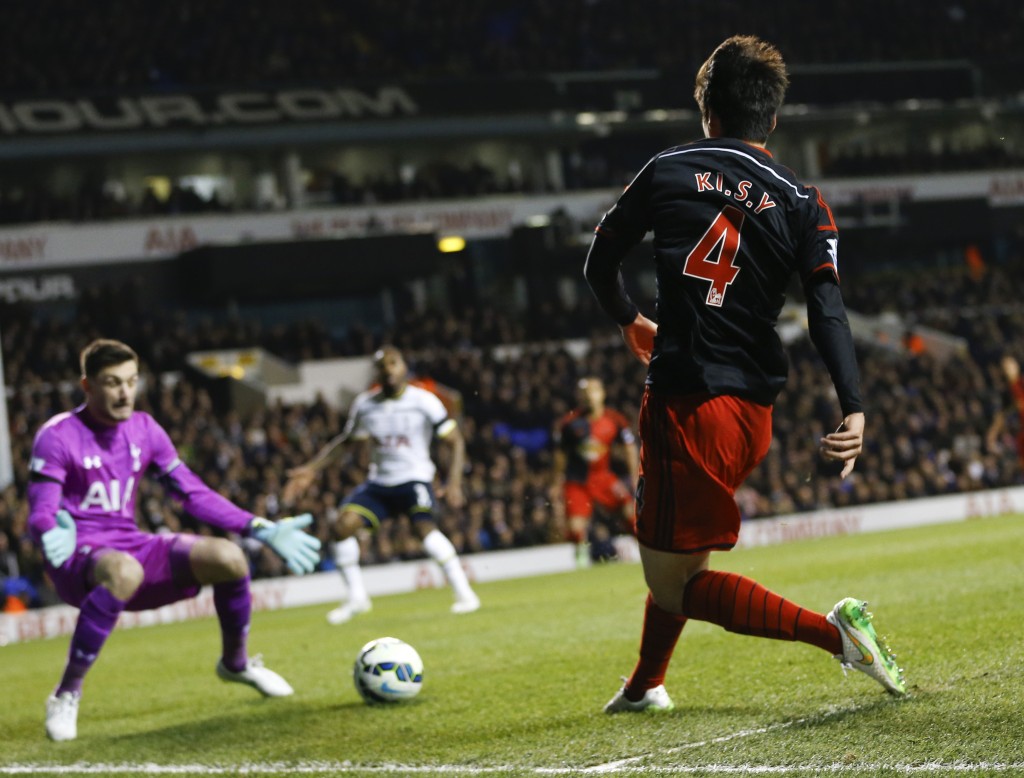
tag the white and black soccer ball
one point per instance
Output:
(388, 670)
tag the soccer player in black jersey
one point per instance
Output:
(730, 227)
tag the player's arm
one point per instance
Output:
(300, 478)
(449, 434)
(299, 550)
(287, 537)
(202, 502)
(559, 464)
(995, 429)
(559, 459)
(50, 526)
(621, 228)
(829, 330)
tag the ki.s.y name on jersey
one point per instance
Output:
(710, 181)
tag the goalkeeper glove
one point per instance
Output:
(286, 537)
(59, 542)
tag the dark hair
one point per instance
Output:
(743, 83)
(104, 353)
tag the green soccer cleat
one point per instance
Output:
(862, 649)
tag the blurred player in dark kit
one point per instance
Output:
(584, 440)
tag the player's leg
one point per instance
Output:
(719, 442)
(115, 577)
(439, 548)
(222, 564)
(362, 508)
(613, 510)
(578, 512)
(665, 575)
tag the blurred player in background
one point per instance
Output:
(731, 226)
(84, 469)
(584, 440)
(398, 421)
(1013, 404)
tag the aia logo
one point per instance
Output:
(394, 441)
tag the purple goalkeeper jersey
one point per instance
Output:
(99, 467)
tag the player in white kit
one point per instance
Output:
(398, 421)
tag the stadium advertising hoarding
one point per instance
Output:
(51, 244)
(205, 109)
(630, 91)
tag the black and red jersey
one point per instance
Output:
(731, 226)
(588, 443)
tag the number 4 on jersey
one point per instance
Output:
(712, 257)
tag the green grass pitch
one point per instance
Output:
(517, 688)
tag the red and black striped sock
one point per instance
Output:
(744, 606)
(657, 642)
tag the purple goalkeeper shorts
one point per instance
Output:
(167, 574)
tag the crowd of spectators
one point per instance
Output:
(107, 48)
(443, 180)
(109, 45)
(861, 161)
(927, 422)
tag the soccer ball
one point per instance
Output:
(388, 670)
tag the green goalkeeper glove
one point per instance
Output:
(286, 537)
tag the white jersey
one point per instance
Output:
(400, 430)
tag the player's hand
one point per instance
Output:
(846, 443)
(639, 336)
(287, 537)
(59, 543)
(299, 480)
(453, 496)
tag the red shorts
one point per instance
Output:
(695, 450)
(603, 487)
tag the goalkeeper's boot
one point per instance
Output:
(655, 699)
(62, 716)
(862, 648)
(347, 610)
(254, 674)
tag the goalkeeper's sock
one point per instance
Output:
(346, 557)
(657, 642)
(233, 602)
(441, 550)
(744, 606)
(97, 618)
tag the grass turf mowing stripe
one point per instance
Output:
(342, 768)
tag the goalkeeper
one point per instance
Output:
(83, 477)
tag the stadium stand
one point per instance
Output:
(926, 434)
(194, 43)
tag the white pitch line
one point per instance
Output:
(611, 767)
(342, 768)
